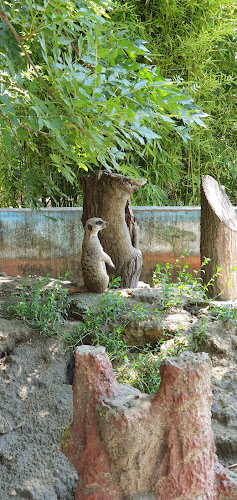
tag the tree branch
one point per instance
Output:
(29, 129)
(18, 39)
(89, 66)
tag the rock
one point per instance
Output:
(179, 321)
(225, 484)
(36, 396)
(11, 332)
(129, 445)
(5, 425)
(143, 332)
(36, 489)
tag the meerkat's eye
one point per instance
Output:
(89, 227)
(99, 223)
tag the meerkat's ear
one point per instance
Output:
(89, 227)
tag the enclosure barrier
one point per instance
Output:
(49, 240)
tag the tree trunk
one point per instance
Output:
(108, 196)
(218, 239)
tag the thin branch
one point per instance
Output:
(29, 129)
(89, 66)
(18, 39)
(27, 37)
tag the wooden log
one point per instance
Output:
(218, 239)
(107, 196)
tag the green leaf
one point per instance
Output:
(140, 85)
(148, 133)
(64, 40)
(6, 139)
(21, 132)
(56, 158)
(103, 52)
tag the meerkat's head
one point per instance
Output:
(94, 225)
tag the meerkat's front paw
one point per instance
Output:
(110, 262)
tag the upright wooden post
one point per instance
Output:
(218, 239)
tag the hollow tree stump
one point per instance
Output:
(108, 196)
(128, 445)
(218, 239)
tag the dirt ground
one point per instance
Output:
(36, 374)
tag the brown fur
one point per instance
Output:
(94, 258)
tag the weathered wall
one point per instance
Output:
(50, 241)
(42, 242)
(127, 445)
(166, 233)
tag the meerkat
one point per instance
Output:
(94, 258)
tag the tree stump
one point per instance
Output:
(108, 196)
(218, 239)
(130, 445)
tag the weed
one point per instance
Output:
(44, 304)
(103, 324)
(115, 282)
(141, 371)
(225, 313)
(185, 283)
(198, 336)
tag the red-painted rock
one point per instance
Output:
(225, 486)
(127, 445)
(185, 398)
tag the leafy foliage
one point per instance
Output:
(77, 93)
(44, 304)
(194, 43)
(224, 313)
(104, 324)
(175, 281)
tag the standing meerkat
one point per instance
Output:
(94, 258)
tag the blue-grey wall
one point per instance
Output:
(49, 241)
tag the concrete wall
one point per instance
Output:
(50, 241)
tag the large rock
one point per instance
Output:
(128, 445)
(12, 332)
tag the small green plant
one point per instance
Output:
(105, 321)
(103, 324)
(141, 370)
(115, 282)
(44, 304)
(198, 336)
(225, 313)
(175, 281)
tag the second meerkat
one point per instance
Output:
(94, 258)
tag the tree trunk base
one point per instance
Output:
(218, 240)
(108, 196)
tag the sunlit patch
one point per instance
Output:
(23, 392)
(43, 414)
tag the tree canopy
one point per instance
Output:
(78, 92)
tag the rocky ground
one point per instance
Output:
(36, 395)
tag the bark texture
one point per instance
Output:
(108, 196)
(218, 239)
(127, 445)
